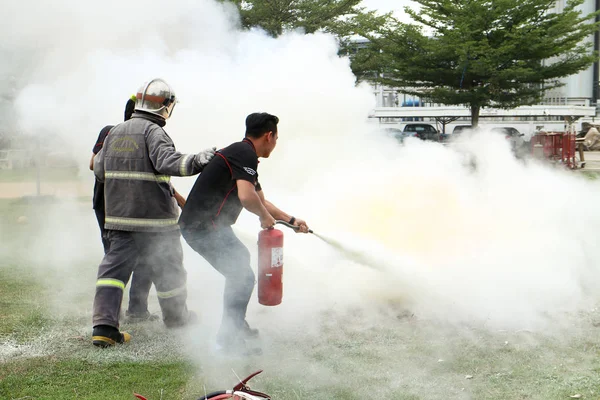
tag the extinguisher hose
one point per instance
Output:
(294, 227)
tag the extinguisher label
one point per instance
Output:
(277, 257)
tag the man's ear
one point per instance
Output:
(269, 136)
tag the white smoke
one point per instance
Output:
(465, 234)
(506, 244)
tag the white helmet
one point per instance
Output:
(156, 97)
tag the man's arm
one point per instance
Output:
(168, 161)
(252, 202)
(272, 209)
(99, 143)
(180, 199)
(99, 165)
(279, 214)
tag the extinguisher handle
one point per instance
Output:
(294, 227)
(284, 223)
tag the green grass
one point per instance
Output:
(395, 358)
(46, 175)
(21, 315)
(10, 208)
(591, 175)
(55, 378)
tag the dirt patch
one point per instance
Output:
(11, 190)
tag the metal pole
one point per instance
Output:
(37, 166)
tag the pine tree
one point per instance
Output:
(278, 16)
(480, 53)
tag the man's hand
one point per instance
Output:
(302, 225)
(205, 156)
(180, 199)
(267, 221)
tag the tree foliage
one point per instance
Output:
(479, 53)
(277, 16)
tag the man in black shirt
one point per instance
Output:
(228, 184)
(98, 199)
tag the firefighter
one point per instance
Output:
(136, 163)
(140, 281)
(228, 184)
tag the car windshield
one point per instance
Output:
(419, 128)
(461, 128)
(506, 131)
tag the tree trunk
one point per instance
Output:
(475, 115)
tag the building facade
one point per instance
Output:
(583, 86)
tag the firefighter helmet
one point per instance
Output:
(156, 97)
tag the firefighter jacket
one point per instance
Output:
(136, 163)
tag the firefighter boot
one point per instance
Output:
(190, 318)
(235, 345)
(133, 318)
(106, 336)
(249, 333)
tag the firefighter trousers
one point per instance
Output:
(160, 256)
(228, 255)
(141, 281)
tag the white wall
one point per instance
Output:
(581, 84)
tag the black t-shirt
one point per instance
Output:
(98, 199)
(214, 201)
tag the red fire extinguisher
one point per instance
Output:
(270, 267)
(270, 264)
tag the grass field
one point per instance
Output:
(592, 175)
(45, 352)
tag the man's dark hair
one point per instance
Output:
(257, 124)
(129, 108)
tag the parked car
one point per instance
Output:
(458, 129)
(423, 132)
(511, 133)
(395, 133)
(508, 131)
(517, 143)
